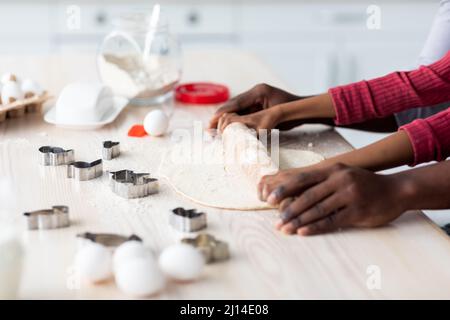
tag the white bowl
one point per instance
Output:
(85, 106)
(83, 102)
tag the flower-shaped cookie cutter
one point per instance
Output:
(55, 156)
(56, 217)
(131, 185)
(212, 249)
(187, 220)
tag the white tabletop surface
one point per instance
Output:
(411, 256)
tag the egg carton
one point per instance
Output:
(19, 108)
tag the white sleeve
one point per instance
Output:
(438, 41)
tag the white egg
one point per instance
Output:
(130, 250)
(94, 262)
(9, 77)
(182, 262)
(139, 277)
(156, 123)
(30, 87)
(11, 92)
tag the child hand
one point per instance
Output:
(265, 119)
(260, 97)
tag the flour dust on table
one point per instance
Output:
(215, 181)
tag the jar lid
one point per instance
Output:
(202, 93)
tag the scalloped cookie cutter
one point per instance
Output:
(130, 185)
(55, 156)
(212, 249)
(56, 217)
(83, 171)
(187, 220)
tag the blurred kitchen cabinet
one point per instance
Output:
(311, 45)
(395, 46)
(194, 23)
(316, 46)
(24, 27)
(370, 60)
(202, 18)
(307, 68)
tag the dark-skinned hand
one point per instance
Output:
(264, 119)
(338, 196)
(260, 97)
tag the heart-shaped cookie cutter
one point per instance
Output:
(187, 220)
(110, 150)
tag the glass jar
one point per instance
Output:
(146, 77)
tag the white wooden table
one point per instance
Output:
(411, 256)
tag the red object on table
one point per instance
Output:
(137, 131)
(202, 93)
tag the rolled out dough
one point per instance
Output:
(226, 174)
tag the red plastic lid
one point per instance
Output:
(202, 93)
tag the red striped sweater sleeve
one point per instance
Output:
(430, 137)
(428, 85)
(395, 92)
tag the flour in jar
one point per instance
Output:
(131, 77)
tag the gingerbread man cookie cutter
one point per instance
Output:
(131, 185)
(83, 171)
(108, 239)
(187, 220)
(56, 217)
(212, 249)
(55, 156)
(110, 150)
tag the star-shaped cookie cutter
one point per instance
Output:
(55, 156)
(132, 185)
(108, 239)
(83, 171)
(56, 217)
(187, 220)
(212, 249)
(110, 150)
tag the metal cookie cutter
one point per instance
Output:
(211, 248)
(108, 239)
(132, 185)
(55, 156)
(84, 170)
(111, 150)
(56, 217)
(187, 220)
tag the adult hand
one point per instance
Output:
(270, 182)
(338, 196)
(260, 97)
